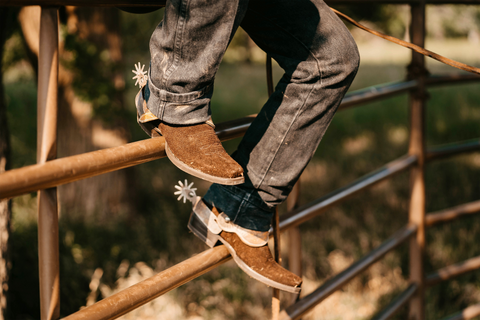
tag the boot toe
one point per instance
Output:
(197, 150)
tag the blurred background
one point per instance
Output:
(119, 228)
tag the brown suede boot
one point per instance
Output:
(197, 150)
(257, 262)
(194, 149)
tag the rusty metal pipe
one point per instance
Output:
(318, 206)
(396, 303)
(375, 93)
(195, 271)
(151, 288)
(439, 80)
(191, 268)
(468, 313)
(416, 214)
(294, 238)
(57, 172)
(452, 150)
(60, 171)
(269, 75)
(307, 303)
(276, 217)
(234, 128)
(277, 248)
(452, 213)
(453, 271)
(48, 246)
(31, 178)
(383, 91)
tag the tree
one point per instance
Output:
(91, 114)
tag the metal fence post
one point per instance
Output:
(416, 70)
(278, 259)
(294, 238)
(48, 246)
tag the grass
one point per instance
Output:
(358, 141)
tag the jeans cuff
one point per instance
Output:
(179, 108)
(243, 206)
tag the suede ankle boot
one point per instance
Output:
(197, 150)
(256, 261)
(194, 149)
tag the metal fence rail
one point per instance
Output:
(452, 150)
(60, 171)
(452, 213)
(453, 271)
(69, 169)
(149, 289)
(396, 303)
(209, 259)
(316, 207)
(49, 173)
(304, 305)
(469, 313)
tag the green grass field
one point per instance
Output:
(358, 141)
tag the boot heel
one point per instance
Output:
(196, 225)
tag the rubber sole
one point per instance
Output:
(197, 226)
(199, 174)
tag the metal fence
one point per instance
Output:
(50, 172)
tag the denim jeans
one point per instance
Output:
(320, 60)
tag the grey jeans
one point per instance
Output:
(307, 40)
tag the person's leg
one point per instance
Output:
(320, 60)
(186, 49)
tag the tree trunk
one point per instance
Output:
(90, 107)
(5, 212)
